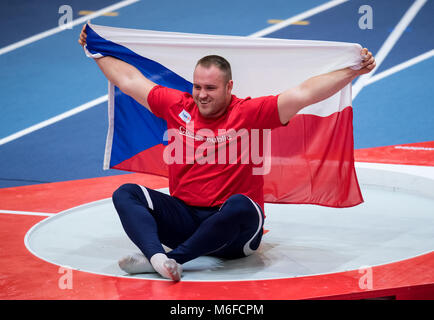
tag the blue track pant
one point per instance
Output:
(151, 218)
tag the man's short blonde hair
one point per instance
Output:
(219, 62)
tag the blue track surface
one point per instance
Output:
(52, 75)
(20, 19)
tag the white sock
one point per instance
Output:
(167, 268)
(135, 263)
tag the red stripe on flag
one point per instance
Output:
(147, 161)
(313, 162)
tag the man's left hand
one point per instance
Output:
(368, 63)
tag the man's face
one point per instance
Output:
(211, 92)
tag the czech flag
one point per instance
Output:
(312, 158)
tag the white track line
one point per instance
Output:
(389, 43)
(52, 120)
(27, 213)
(73, 23)
(400, 67)
(298, 17)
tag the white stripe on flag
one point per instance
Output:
(273, 60)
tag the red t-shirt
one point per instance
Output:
(211, 159)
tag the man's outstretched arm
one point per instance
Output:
(319, 88)
(123, 75)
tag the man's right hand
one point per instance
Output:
(123, 75)
(83, 36)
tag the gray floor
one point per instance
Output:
(394, 223)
